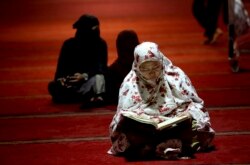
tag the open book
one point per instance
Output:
(168, 123)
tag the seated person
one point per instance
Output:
(81, 66)
(155, 91)
(126, 42)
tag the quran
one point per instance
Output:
(168, 123)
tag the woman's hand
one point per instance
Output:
(78, 77)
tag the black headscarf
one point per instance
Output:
(87, 27)
(126, 41)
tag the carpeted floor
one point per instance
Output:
(35, 131)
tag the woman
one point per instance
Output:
(81, 66)
(156, 90)
(126, 42)
(207, 13)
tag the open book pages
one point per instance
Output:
(143, 118)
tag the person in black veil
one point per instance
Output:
(126, 42)
(207, 13)
(81, 66)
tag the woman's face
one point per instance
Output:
(150, 70)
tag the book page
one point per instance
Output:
(143, 118)
(146, 119)
(171, 121)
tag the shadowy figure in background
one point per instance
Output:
(207, 12)
(126, 41)
(155, 91)
(81, 66)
